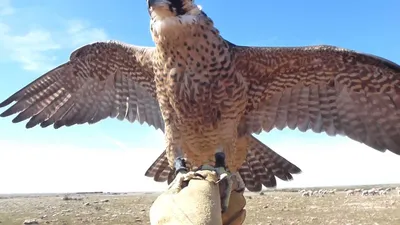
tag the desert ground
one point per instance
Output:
(347, 206)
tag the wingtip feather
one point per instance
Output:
(8, 112)
(7, 101)
(295, 170)
(30, 125)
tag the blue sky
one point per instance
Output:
(112, 155)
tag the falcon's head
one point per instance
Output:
(170, 15)
(172, 8)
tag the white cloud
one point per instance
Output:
(29, 167)
(35, 49)
(44, 168)
(333, 161)
(30, 49)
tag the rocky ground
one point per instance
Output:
(287, 208)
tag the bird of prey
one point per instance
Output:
(207, 93)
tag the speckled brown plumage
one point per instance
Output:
(325, 89)
(101, 80)
(259, 168)
(208, 94)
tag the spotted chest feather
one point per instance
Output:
(197, 80)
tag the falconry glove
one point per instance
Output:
(195, 199)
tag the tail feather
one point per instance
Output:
(280, 167)
(160, 170)
(258, 173)
(250, 179)
(259, 169)
(265, 164)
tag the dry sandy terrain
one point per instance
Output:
(287, 208)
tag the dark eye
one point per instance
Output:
(171, 8)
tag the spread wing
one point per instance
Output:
(322, 88)
(104, 79)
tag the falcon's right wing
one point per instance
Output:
(104, 79)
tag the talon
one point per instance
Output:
(180, 165)
(225, 176)
(180, 181)
(226, 197)
(198, 174)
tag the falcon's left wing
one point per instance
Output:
(322, 88)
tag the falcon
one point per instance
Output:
(208, 94)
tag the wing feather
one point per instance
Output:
(303, 118)
(104, 79)
(324, 89)
(283, 108)
(293, 108)
(124, 96)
